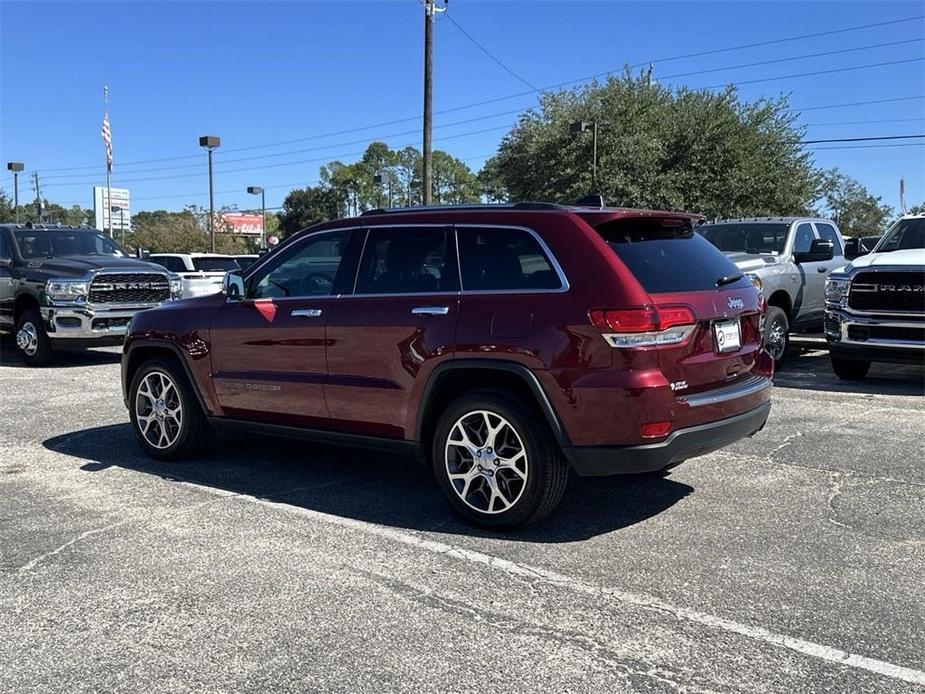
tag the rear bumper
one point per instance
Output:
(594, 461)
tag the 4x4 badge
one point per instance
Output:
(735, 302)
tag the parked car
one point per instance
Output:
(67, 287)
(503, 345)
(875, 306)
(245, 261)
(788, 258)
(202, 273)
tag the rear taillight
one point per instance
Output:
(644, 327)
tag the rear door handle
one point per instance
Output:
(306, 313)
(430, 310)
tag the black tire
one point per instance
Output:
(35, 349)
(777, 335)
(849, 369)
(544, 465)
(183, 438)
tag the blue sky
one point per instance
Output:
(259, 73)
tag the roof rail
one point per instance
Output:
(466, 206)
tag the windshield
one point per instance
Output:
(666, 255)
(904, 235)
(56, 244)
(730, 237)
(215, 264)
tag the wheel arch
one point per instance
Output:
(141, 351)
(781, 299)
(23, 303)
(455, 378)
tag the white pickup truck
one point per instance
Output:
(789, 259)
(875, 306)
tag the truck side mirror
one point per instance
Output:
(852, 248)
(820, 250)
(233, 285)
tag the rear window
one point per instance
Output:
(665, 255)
(215, 264)
(904, 235)
(752, 237)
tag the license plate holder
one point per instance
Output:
(727, 335)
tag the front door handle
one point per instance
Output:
(822, 269)
(306, 313)
(430, 310)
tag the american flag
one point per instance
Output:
(107, 140)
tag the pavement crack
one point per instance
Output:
(25, 568)
(597, 649)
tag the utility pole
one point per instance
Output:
(430, 9)
(39, 207)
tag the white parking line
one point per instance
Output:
(648, 602)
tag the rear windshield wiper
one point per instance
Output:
(728, 279)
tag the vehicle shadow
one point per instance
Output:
(809, 368)
(63, 359)
(371, 486)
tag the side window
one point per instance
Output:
(827, 232)
(4, 246)
(309, 268)
(804, 239)
(407, 261)
(494, 259)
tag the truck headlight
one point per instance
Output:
(66, 290)
(755, 279)
(176, 286)
(836, 289)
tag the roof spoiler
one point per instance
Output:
(595, 200)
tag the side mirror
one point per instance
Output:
(6, 262)
(852, 248)
(233, 285)
(819, 251)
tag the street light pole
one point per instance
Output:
(210, 143)
(583, 126)
(15, 167)
(253, 190)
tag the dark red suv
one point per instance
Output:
(502, 345)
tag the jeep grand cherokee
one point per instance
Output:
(503, 345)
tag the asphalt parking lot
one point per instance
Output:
(790, 562)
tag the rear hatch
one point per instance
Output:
(708, 308)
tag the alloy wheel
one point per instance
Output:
(777, 340)
(158, 410)
(486, 462)
(27, 338)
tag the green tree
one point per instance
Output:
(408, 168)
(161, 231)
(7, 213)
(660, 147)
(453, 181)
(851, 206)
(491, 183)
(52, 213)
(306, 206)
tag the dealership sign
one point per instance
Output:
(121, 218)
(242, 223)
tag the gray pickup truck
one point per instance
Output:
(789, 259)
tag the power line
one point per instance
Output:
(866, 122)
(904, 144)
(862, 103)
(561, 84)
(487, 52)
(862, 139)
(816, 73)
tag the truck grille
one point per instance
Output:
(129, 288)
(888, 291)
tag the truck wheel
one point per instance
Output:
(850, 370)
(166, 418)
(32, 340)
(497, 464)
(776, 335)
